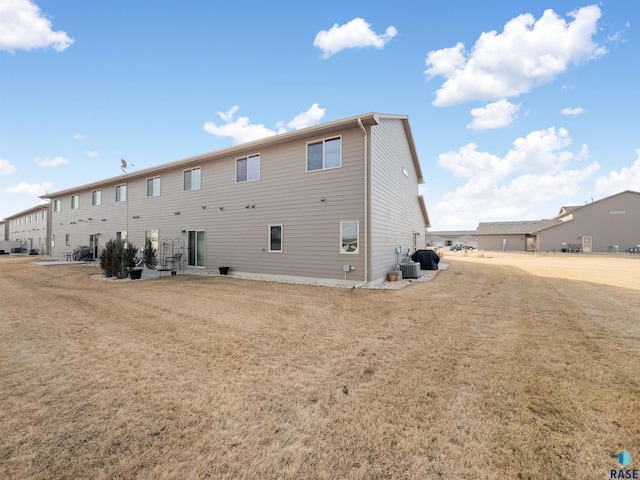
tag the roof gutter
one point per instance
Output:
(366, 203)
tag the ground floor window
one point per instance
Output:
(122, 236)
(151, 235)
(196, 240)
(349, 237)
(275, 238)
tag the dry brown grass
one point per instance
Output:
(488, 371)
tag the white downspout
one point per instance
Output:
(366, 204)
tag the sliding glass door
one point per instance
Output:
(196, 248)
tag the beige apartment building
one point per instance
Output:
(324, 204)
(26, 231)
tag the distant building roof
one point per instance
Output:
(513, 228)
(452, 233)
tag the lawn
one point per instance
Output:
(500, 367)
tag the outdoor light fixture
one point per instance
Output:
(204, 207)
(246, 206)
(103, 220)
(183, 231)
(322, 199)
(220, 209)
(176, 213)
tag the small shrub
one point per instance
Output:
(117, 258)
(150, 258)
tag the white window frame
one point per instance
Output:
(119, 193)
(247, 158)
(155, 185)
(96, 198)
(191, 188)
(153, 235)
(75, 205)
(357, 250)
(281, 237)
(324, 141)
(56, 205)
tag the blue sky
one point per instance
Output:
(517, 108)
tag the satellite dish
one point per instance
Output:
(123, 164)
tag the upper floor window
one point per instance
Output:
(153, 187)
(191, 179)
(121, 193)
(56, 205)
(75, 201)
(248, 168)
(96, 197)
(324, 154)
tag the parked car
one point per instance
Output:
(456, 248)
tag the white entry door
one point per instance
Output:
(586, 244)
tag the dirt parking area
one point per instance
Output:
(502, 366)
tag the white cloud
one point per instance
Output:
(24, 27)
(5, 167)
(50, 162)
(30, 188)
(526, 54)
(572, 112)
(307, 119)
(91, 153)
(354, 34)
(228, 115)
(79, 136)
(628, 178)
(494, 115)
(535, 171)
(242, 130)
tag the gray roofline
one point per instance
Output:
(42, 206)
(368, 119)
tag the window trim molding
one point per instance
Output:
(323, 141)
(93, 197)
(126, 193)
(357, 250)
(281, 237)
(191, 170)
(247, 157)
(76, 196)
(153, 183)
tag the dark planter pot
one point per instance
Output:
(224, 270)
(135, 274)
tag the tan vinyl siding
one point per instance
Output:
(395, 208)
(237, 236)
(596, 220)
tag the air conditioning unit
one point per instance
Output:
(410, 270)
